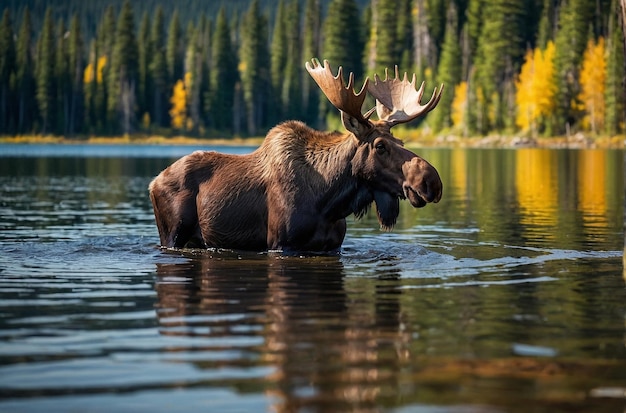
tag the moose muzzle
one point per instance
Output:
(422, 182)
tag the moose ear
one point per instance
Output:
(354, 125)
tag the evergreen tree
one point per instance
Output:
(7, 71)
(291, 85)
(25, 82)
(404, 36)
(195, 72)
(570, 44)
(499, 55)
(158, 72)
(62, 81)
(384, 35)
(343, 43)
(546, 24)
(45, 73)
(224, 76)
(75, 71)
(616, 76)
(436, 22)
(310, 49)
(145, 53)
(174, 53)
(103, 51)
(124, 73)
(278, 59)
(475, 23)
(253, 67)
(449, 71)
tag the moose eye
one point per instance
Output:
(380, 148)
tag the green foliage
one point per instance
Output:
(7, 69)
(45, 74)
(343, 42)
(224, 76)
(570, 43)
(123, 74)
(253, 67)
(449, 71)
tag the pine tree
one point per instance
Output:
(105, 41)
(124, 73)
(174, 53)
(158, 72)
(7, 71)
(253, 66)
(145, 53)
(383, 36)
(195, 72)
(45, 73)
(404, 36)
(223, 75)
(291, 85)
(449, 71)
(546, 24)
(343, 43)
(25, 83)
(310, 50)
(615, 94)
(436, 22)
(570, 43)
(278, 58)
(62, 80)
(75, 72)
(499, 55)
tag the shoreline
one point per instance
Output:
(578, 141)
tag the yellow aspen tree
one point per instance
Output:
(88, 75)
(459, 106)
(526, 107)
(178, 113)
(535, 90)
(102, 62)
(592, 85)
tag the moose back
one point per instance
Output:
(294, 192)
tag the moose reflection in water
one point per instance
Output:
(295, 191)
(300, 311)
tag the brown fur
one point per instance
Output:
(293, 193)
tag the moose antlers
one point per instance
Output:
(397, 101)
(342, 97)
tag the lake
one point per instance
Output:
(507, 296)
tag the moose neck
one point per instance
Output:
(343, 193)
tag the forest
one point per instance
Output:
(206, 69)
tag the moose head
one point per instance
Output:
(295, 191)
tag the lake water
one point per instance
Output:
(507, 296)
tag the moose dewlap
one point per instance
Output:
(295, 191)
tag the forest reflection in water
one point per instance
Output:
(506, 296)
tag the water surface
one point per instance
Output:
(508, 296)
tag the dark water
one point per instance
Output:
(508, 296)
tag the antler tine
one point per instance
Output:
(342, 97)
(397, 101)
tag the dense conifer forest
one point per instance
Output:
(207, 68)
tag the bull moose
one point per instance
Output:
(295, 191)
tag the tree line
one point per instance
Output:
(537, 67)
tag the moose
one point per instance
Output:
(295, 191)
